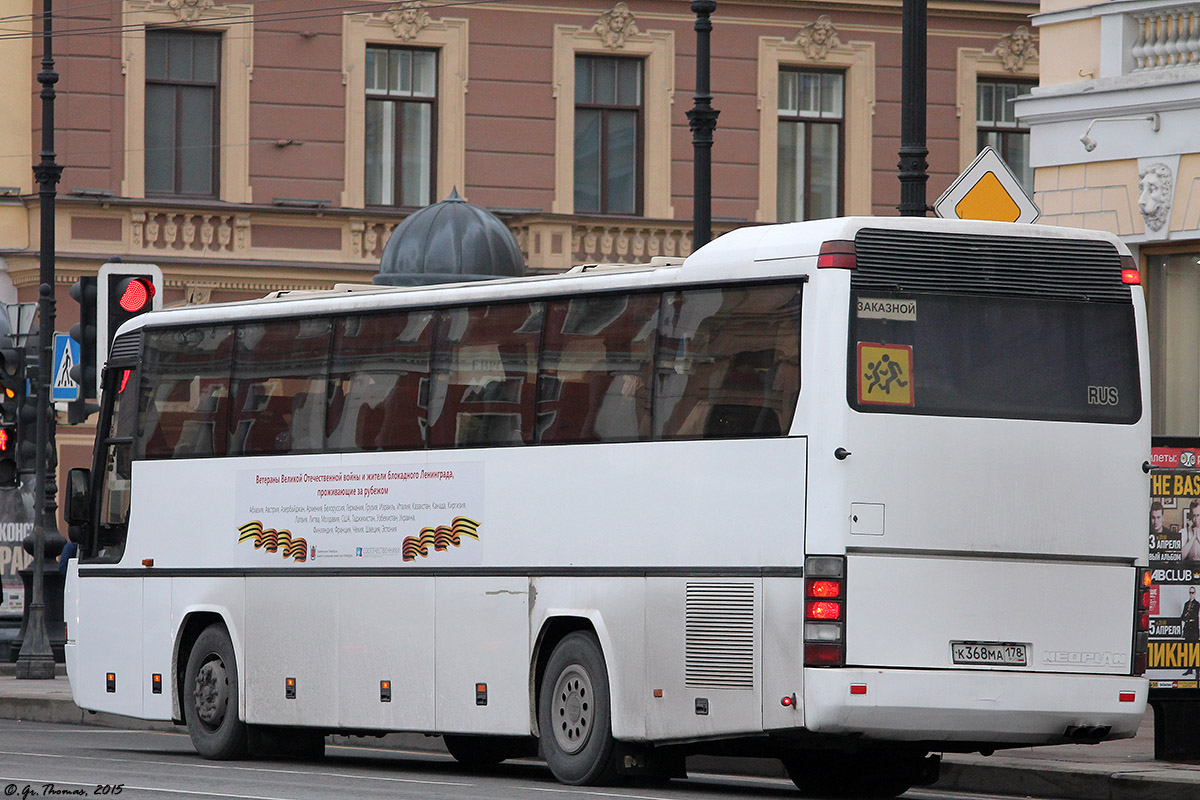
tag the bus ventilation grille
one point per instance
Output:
(719, 648)
(1015, 266)
(126, 348)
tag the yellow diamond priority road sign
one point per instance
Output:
(987, 190)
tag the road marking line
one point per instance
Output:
(228, 767)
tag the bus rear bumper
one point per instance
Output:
(972, 706)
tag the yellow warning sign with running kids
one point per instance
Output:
(885, 374)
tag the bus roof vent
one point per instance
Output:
(1014, 266)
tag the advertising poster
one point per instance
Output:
(1174, 530)
(362, 515)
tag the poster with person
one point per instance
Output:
(1174, 539)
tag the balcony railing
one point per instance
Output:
(1168, 37)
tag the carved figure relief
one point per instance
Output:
(816, 38)
(613, 26)
(188, 10)
(1015, 49)
(1154, 195)
(407, 19)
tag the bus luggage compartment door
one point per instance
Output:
(947, 612)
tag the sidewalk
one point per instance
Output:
(1121, 770)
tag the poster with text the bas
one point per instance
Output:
(1175, 562)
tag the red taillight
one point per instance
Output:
(823, 588)
(1129, 271)
(837, 254)
(824, 611)
(822, 655)
(814, 609)
(1141, 621)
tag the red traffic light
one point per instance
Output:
(135, 295)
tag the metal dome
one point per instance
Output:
(448, 242)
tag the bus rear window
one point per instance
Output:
(1005, 357)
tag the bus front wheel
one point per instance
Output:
(574, 719)
(210, 696)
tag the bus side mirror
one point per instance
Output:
(77, 502)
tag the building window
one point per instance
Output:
(401, 115)
(996, 126)
(608, 125)
(811, 120)
(182, 92)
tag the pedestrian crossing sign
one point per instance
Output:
(66, 355)
(885, 374)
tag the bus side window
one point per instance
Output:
(184, 407)
(597, 367)
(728, 362)
(484, 375)
(379, 365)
(279, 387)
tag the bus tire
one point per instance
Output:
(574, 713)
(210, 697)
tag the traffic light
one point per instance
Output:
(27, 413)
(124, 292)
(84, 371)
(12, 393)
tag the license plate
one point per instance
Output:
(996, 654)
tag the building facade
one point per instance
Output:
(1114, 147)
(250, 147)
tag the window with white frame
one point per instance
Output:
(810, 154)
(401, 119)
(996, 125)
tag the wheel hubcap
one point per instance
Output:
(572, 709)
(212, 692)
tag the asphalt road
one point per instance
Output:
(48, 760)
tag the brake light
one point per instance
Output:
(837, 254)
(1129, 271)
(1141, 621)
(824, 611)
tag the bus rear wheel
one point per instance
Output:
(210, 697)
(574, 713)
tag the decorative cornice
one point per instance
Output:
(613, 26)
(816, 38)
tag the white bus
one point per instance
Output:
(848, 493)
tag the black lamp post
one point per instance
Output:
(912, 111)
(702, 119)
(36, 659)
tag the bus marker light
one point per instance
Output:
(289, 688)
(1126, 697)
(837, 255)
(788, 702)
(110, 682)
(481, 694)
(156, 683)
(147, 562)
(385, 691)
(658, 692)
(1131, 277)
(818, 609)
(858, 688)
